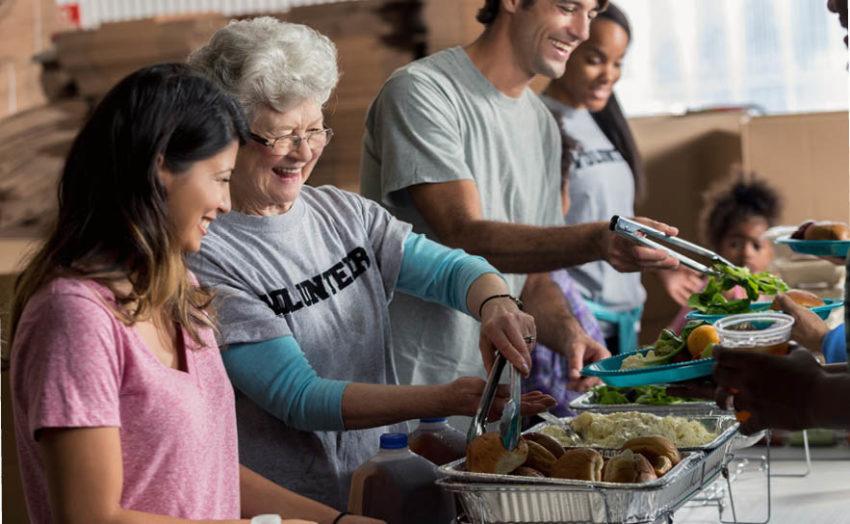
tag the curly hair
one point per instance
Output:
(264, 61)
(731, 202)
(488, 13)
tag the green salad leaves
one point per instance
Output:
(654, 395)
(710, 301)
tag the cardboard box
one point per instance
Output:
(804, 156)
(807, 157)
(683, 156)
(25, 29)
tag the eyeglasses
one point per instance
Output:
(282, 145)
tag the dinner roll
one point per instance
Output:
(660, 452)
(801, 297)
(578, 464)
(628, 467)
(827, 231)
(485, 454)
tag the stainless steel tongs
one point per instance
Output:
(630, 229)
(509, 425)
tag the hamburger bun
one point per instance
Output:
(658, 450)
(525, 471)
(485, 454)
(628, 467)
(552, 446)
(800, 234)
(827, 231)
(579, 464)
(803, 298)
(539, 458)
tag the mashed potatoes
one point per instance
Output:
(637, 360)
(613, 430)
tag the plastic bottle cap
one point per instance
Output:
(393, 441)
(438, 419)
(266, 519)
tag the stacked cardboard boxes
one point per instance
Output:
(97, 59)
(25, 29)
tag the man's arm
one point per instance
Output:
(559, 330)
(453, 210)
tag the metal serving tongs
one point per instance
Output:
(630, 229)
(509, 424)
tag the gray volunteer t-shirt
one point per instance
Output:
(601, 185)
(440, 120)
(323, 272)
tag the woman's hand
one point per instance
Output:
(463, 395)
(506, 329)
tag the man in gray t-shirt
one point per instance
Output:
(458, 145)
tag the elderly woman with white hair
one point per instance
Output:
(305, 275)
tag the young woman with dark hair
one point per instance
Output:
(122, 405)
(602, 171)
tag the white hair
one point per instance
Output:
(264, 61)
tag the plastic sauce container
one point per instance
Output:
(397, 485)
(437, 441)
(765, 332)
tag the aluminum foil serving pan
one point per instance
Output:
(725, 426)
(457, 471)
(490, 498)
(526, 499)
(694, 409)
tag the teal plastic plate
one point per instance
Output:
(609, 371)
(821, 248)
(822, 311)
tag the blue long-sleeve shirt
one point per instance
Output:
(276, 375)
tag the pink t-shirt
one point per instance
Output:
(75, 365)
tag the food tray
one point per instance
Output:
(823, 248)
(608, 370)
(822, 311)
(724, 425)
(681, 409)
(560, 500)
(502, 499)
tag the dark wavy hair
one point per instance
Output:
(488, 12)
(735, 200)
(113, 224)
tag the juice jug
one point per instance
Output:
(397, 485)
(437, 441)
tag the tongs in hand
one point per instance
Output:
(509, 425)
(630, 229)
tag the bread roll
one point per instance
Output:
(800, 234)
(578, 464)
(539, 457)
(803, 298)
(827, 231)
(525, 471)
(553, 446)
(628, 467)
(660, 452)
(486, 455)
